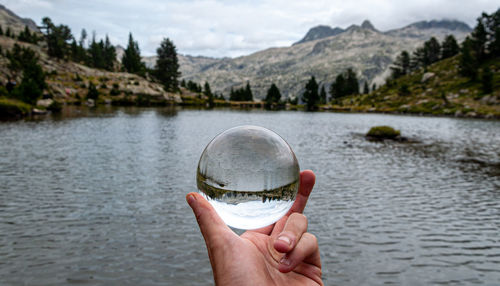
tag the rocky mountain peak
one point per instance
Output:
(367, 25)
(319, 32)
(452, 25)
(16, 23)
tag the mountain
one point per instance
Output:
(320, 32)
(324, 53)
(425, 29)
(16, 23)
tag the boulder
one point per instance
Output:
(44, 102)
(427, 76)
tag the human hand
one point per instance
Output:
(283, 253)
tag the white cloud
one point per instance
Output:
(233, 28)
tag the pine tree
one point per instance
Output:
(248, 92)
(109, 54)
(432, 50)
(83, 37)
(273, 96)
(374, 87)
(322, 95)
(167, 66)
(232, 94)
(468, 64)
(25, 36)
(450, 47)
(493, 24)
(132, 58)
(57, 38)
(338, 88)
(208, 93)
(241, 94)
(1, 31)
(401, 66)
(366, 89)
(96, 57)
(310, 95)
(8, 32)
(352, 85)
(418, 59)
(192, 86)
(479, 40)
(74, 51)
(206, 89)
(487, 80)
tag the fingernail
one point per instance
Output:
(285, 239)
(190, 199)
(285, 261)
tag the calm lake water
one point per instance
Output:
(96, 197)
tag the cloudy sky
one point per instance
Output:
(220, 28)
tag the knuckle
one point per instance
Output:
(298, 216)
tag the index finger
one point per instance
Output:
(307, 179)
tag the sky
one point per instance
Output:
(223, 28)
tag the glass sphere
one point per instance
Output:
(250, 175)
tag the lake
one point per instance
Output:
(96, 196)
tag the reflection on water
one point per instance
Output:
(96, 196)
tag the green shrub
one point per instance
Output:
(404, 90)
(3, 91)
(114, 91)
(92, 93)
(383, 132)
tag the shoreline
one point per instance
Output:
(35, 112)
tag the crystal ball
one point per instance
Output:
(250, 175)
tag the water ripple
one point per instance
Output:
(96, 197)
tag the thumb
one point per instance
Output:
(212, 227)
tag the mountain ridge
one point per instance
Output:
(362, 47)
(324, 31)
(16, 23)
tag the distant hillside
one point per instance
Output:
(439, 91)
(16, 23)
(324, 52)
(68, 81)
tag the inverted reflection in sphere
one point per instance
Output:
(250, 175)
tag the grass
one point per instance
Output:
(10, 108)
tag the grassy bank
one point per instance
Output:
(12, 108)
